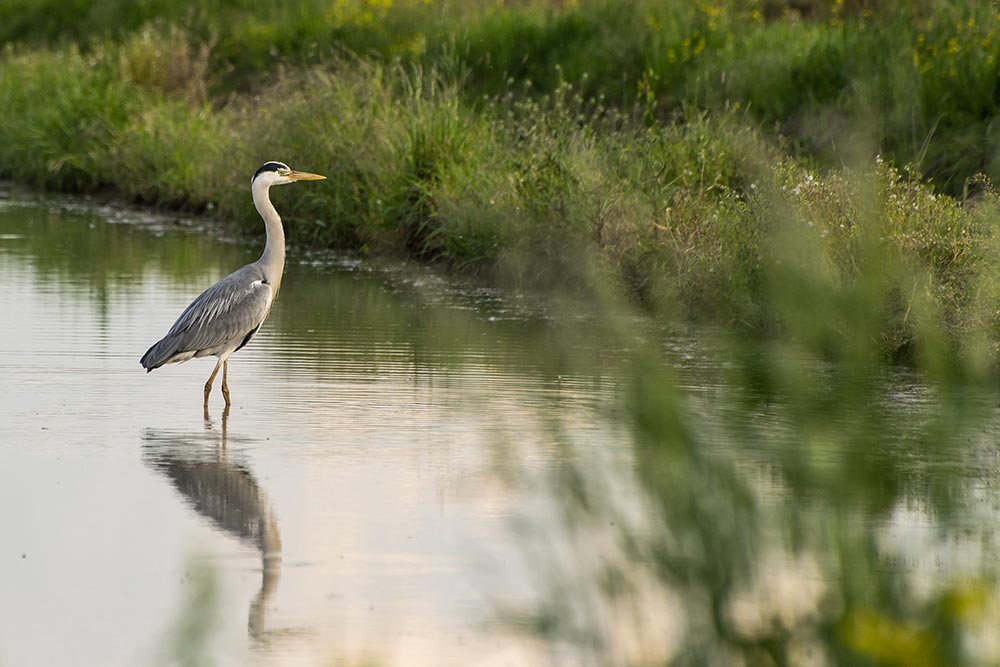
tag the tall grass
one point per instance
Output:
(530, 187)
(919, 77)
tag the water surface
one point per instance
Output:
(420, 471)
(351, 503)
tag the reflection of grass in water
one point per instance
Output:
(188, 642)
(81, 246)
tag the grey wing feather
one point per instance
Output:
(226, 312)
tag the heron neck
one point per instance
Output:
(272, 261)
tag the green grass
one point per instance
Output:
(670, 149)
(919, 78)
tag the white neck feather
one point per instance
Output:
(272, 261)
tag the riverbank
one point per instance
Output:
(559, 175)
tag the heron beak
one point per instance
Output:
(304, 176)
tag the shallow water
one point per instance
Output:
(420, 471)
(351, 504)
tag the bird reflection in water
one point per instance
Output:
(226, 492)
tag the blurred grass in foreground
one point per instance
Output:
(189, 642)
(789, 500)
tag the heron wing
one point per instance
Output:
(225, 313)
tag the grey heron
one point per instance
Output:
(226, 316)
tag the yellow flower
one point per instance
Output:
(709, 10)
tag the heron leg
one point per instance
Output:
(225, 382)
(211, 379)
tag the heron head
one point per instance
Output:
(279, 173)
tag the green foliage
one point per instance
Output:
(681, 211)
(556, 177)
(918, 78)
(166, 61)
(63, 110)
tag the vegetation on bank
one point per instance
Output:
(918, 79)
(709, 155)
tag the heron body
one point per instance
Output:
(226, 316)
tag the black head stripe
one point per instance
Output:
(270, 166)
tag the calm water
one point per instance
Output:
(353, 503)
(416, 472)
